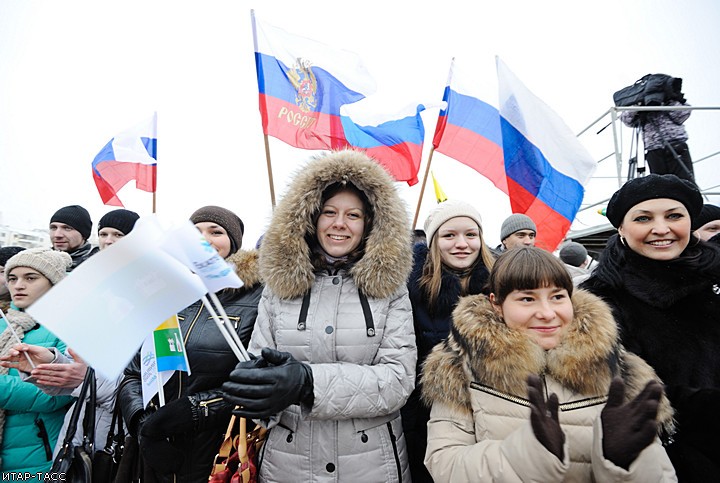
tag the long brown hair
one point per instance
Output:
(527, 268)
(431, 279)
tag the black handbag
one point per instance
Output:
(107, 459)
(119, 461)
(75, 462)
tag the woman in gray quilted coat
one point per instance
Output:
(334, 334)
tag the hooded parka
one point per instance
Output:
(211, 361)
(362, 359)
(476, 382)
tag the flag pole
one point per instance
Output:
(269, 167)
(228, 325)
(154, 201)
(228, 338)
(161, 389)
(422, 188)
(17, 338)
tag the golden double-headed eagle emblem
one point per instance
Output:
(303, 80)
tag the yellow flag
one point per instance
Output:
(439, 193)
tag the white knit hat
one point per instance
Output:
(52, 264)
(446, 210)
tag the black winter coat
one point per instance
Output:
(432, 325)
(669, 314)
(211, 361)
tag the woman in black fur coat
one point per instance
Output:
(455, 262)
(663, 285)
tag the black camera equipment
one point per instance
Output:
(650, 90)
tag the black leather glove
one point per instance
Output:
(176, 417)
(629, 428)
(160, 455)
(263, 391)
(544, 418)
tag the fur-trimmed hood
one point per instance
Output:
(285, 262)
(483, 349)
(247, 266)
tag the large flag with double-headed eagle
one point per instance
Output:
(303, 85)
(130, 155)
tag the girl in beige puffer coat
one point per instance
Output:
(519, 390)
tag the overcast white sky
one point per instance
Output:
(75, 73)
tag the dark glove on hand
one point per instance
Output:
(629, 428)
(160, 455)
(176, 417)
(263, 391)
(544, 418)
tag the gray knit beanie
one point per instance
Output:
(446, 210)
(573, 254)
(75, 216)
(516, 222)
(225, 218)
(52, 264)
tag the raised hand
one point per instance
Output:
(544, 418)
(15, 358)
(69, 375)
(629, 428)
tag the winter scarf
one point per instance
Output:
(671, 280)
(21, 322)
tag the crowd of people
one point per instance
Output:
(382, 353)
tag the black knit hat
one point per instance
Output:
(121, 220)
(75, 216)
(707, 214)
(225, 218)
(651, 187)
(7, 252)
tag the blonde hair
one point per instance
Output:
(431, 278)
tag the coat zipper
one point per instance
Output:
(185, 339)
(204, 405)
(395, 451)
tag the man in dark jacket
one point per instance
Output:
(70, 228)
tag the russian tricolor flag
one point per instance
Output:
(303, 84)
(396, 142)
(545, 164)
(131, 155)
(468, 129)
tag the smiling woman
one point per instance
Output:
(532, 337)
(454, 263)
(334, 325)
(662, 284)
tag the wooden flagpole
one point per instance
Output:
(154, 199)
(422, 188)
(269, 168)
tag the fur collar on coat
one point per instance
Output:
(482, 348)
(285, 262)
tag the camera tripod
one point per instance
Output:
(635, 170)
